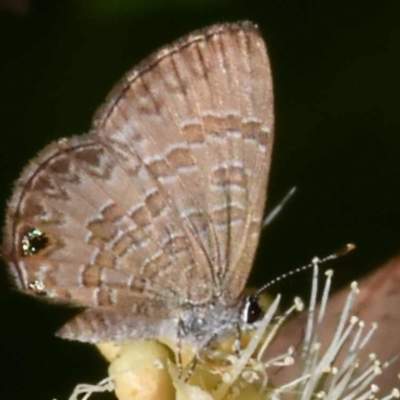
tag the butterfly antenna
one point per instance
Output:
(333, 256)
(279, 207)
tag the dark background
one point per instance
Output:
(336, 67)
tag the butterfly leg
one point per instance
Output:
(196, 357)
(237, 345)
(192, 366)
(179, 348)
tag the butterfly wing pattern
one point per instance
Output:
(159, 207)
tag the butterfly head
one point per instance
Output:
(200, 325)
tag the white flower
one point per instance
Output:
(318, 364)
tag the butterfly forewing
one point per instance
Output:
(162, 202)
(208, 142)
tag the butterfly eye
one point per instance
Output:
(252, 311)
(33, 241)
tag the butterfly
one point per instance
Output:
(151, 220)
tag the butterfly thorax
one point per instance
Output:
(200, 324)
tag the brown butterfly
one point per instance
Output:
(151, 220)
